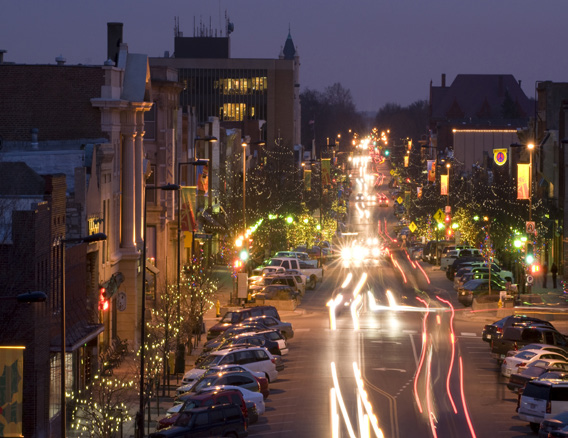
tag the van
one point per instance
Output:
(541, 400)
(447, 259)
(239, 315)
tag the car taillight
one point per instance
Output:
(548, 407)
(499, 330)
(522, 364)
(273, 360)
(505, 362)
(515, 346)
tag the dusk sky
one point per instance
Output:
(382, 50)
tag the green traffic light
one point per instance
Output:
(387, 153)
(243, 255)
(289, 219)
(529, 259)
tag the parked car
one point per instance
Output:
(448, 259)
(218, 397)
(254, 358)
(277, 292)
(235, 378)
(460, 262)
(514, 338)
(476, 288)
(273, 323)
(248, 339)
(216, 420)
(545, 347)
(512, 363)
(198, 371)
(495, 330)
(556, 423)
(236, 316)
(541, 400)
(535, 370)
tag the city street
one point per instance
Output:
(414, 388)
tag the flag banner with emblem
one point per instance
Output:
(444, 185)
(12, 390)
(187, 218)
(307, 180)
(431, 170)
(325, 172)
(203, 179)
(406, 157)
(418, 192)
(500, 156)
(523, 181)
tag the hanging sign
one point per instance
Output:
(431, 170)
(444, 185)
(500, 156)
(523, 181)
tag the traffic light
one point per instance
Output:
(103, 300)
(244, 255)
(535, 268)
(387, 152)
(529, 257)
(448, 219)
(237, 264)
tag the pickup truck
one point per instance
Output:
(448, 259)
(314, 275)
(514, 338)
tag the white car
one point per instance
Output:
(194, 374)
(511, 364)
(553, 348)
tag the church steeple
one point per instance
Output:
(289, 50)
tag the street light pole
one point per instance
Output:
(448, 165)
(244, 145)
(61, 244)
(531, 148)
(143, 311)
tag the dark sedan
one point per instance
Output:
(477, 288)
(495, 330)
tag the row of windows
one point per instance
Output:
(241, 86)
(235, 112)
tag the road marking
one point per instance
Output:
(409, 332)
(385, 342)
(389, 369)
(414, 350)
(301, 330)
(469, 334)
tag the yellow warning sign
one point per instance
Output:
(399, 200)
(439, 216)
(412, 227)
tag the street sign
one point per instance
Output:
(392, 172)
(399, 200)
(439, 216)
(412, 227)
(448, 209)
(531, 228)
(203, 236)
(530, 279)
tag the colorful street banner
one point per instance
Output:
(203, 179)
(523, 181)
(431, 170)
(325, 172)
(444, 185)
(187, 217)
(307, 180)
(500, 156)
(418, 192)
(11, 390)
(406, 157)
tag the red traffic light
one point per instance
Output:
(448, 219)
(535, 268)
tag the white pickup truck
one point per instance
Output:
(449, 258)
(314, 275)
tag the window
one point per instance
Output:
(236, 400)
(150, 123)
(55, 385)
(235, 112)
(559, 393)
(201, 419)
(222, 399)
(228, 359)
(236, 380)
(260, 355)
(244, 357)
(232, 413)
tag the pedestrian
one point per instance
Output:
(544, 273)
(554, 271)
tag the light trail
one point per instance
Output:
(341, 402)
(453, 342)
(469, 423)
(422, 355)
(431, 415)
(354, 315)
(347, 280)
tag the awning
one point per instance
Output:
(77, 335)
(152, 268)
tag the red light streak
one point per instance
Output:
(398, 266)
(452, 341)
(428, 401)
(422, 355)
(425, 275)
(463, 401)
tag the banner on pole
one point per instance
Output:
(431, 170)
(444, 185)
(187, 218)
(325, 172)
(523, 181)
(406, 157)
(307, 180)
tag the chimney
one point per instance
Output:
(114, 39)
(60, 60)
(443, 79)
(2, 56)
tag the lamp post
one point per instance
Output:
(140, 416)
(448, 165)
(180, 350)
(530, 147)
(61, 243)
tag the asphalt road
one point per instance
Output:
(422, 365)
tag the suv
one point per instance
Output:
(239, 315)
(217, 420)
(541, 400)
(295, 281)
(221, 397)
(254, 358)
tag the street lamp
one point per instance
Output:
(167, 187)
(28, 297)
(530, 147)
(448, 165)
(61, 243)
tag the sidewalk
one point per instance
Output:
(160, 405)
